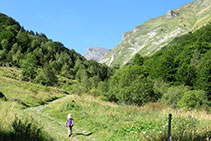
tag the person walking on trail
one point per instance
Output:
(69, 124)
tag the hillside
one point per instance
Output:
(45, 61)
(96, 53)
(156, 33)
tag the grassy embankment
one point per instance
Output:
(29, 93)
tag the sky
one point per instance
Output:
(80, 24)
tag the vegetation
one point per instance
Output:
(109, 121)
(176, 76)
(42, 59)
(185, 62)
(14, 125)
(183, 67)
(28, 93)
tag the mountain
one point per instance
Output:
(96, 53)
(156, 33)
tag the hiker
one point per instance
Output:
(69, 124)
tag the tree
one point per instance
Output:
(138, 60)
(28, 67)
(130, 85)
(23, 39)
(5, 44)
(203, 81)
(46, 76)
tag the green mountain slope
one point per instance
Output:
(156, 33)
(43, 60)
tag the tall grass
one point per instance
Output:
(109, 121)
(16, 125)
(30, 94)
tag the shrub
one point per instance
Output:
(173, 95)
(193, 99)
(131, 85)
(24, 130)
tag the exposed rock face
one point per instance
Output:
(156, 33)
(96, 53)
(170, 14)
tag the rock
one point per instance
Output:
(16, 99)
(19, 101)
(96, 53)
(170, 14)
(125, 36)
(2, 95)
(135, 30)
(66, 92)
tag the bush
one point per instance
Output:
(193, 99)
(173, 95)
(130, 85)
(24, 130)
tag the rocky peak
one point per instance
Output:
(96, 53)
(171, 14)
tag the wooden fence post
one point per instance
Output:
(169, 129)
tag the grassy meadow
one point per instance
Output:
(103, 120)
(109, 121)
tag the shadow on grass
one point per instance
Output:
(82, 134)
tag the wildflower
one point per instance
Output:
(144, 132)
(160, 132)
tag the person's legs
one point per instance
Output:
(69, 131)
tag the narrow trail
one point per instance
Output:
(52, 126)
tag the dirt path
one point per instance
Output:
(53, 127)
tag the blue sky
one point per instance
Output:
(80, 24)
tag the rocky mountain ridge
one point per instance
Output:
(96, 53)
(155, 33)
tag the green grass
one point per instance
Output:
(30, 94)
(18, 122)
(109, 121)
